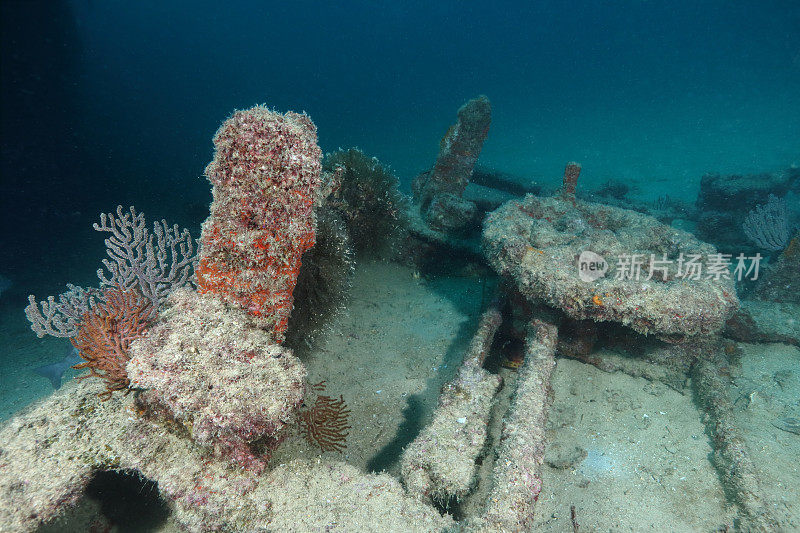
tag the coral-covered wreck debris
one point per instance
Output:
(265, 176)
(213, 361)
(204, 366)
(439, 191)
(215, 388)
(541, 243)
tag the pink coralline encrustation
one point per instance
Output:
(203, 366)
(212, 362)
(571, 174)
(265, 176)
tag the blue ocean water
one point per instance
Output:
(656, 92)
(113, 102)
(116, 102)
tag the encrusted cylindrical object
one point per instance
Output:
(731, 454)
(265, 176)
(571, 174)
(441, 462)
(517, 478)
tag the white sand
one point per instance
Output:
(646, 462)
(767, 391)
(388, 354)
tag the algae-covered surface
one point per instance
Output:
(629, 454)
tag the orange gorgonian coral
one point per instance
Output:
(325, 423)
(105, 333)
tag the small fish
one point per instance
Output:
(789, 424)
(55, 371)
(513, 361)
(5, 284)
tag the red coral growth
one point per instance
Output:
(325, 424)
(105, 334)
(265, 173)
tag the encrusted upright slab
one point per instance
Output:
(265, 176)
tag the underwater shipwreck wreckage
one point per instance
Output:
(206, 411)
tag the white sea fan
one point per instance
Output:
(768, 225)
(153, 263)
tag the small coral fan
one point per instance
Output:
(325, 423)
(368, 199)
(106, 332)
(265, 176)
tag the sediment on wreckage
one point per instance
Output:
(441, 462)
(49, 454)
(517, 479)
(540, 243)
